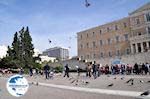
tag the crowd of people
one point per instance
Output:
(96, 69)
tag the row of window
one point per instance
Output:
(116, 27)
(148, 17)
(109, 40)
(138, 21)
(141, 33)
(108, 29)
(102, 55)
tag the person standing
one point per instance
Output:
(31, 71)
(21, 71)
(46, 70)
(94, 68)
(88, 70)
(136, 68)
(148, 67)
(78, 70)
(66, 71)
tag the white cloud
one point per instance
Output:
(3, 51)
(36, 52)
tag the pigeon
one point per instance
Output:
(129, 80)
(115, 78)
(141, 81)
(145, 93)
(87, 4)
(148, 81)
(122, 78)
(73, 81)
(132, 81)
(110, 85)
(86, 82)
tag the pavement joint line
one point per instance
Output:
(96, 90)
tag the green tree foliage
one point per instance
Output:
(20, 54)
(15, 47)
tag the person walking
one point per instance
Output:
(94, 68)
(78, 70)
(66, 71)
(46, 71)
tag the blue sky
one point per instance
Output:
(59, 20)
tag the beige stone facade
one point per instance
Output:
(118, 39)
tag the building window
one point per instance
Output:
(109, 53)
(101, 42)
(108, 29)
(102, 55)
(127, 51)
(117, 39)
(94, 55)
(81, 36)
(148, 17)
(100, 31)
(125, 25)
(94, 44)
(93, 33)
(116, 27)
(118, 53)
(137, 21)
(81, 57)
(87, 35)
(81, 46)
(148, 30)
(109, 41)
(139, 47)
(139, 33)
(87, 45)
(126, 37)
(134, 48)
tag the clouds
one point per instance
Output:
(3, 51)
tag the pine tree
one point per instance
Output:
(15, 47)
(28, 47)
(21, 47)
(22, 50)
(9, 52)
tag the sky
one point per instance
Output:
(59, 20)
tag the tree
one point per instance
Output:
(28, 47)
(15, 47)
(20, 54)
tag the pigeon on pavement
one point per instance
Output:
(148, 81)
(122, 78)
(132, 82)
(145, 93)
(115, 78)
(129, 80)
(141, 81)
(110, 85)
